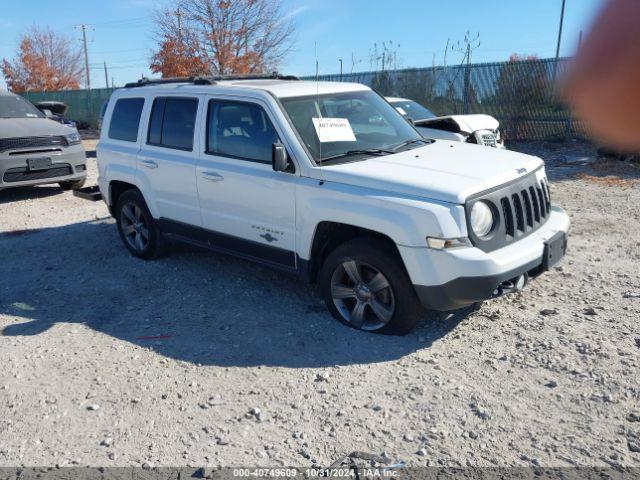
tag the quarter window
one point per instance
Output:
(172, 122)
(125, 119)
(240, 130)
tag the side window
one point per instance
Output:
(125, 119)
(172, 122)
(240, 130)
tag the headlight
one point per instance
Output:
(73, 138)
(481, 219)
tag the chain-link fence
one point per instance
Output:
(84, 105)
(520, 94)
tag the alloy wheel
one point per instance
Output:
(362, 295)
(134, 227)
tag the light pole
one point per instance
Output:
(340, 60)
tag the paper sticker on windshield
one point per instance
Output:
(334, 130)
(32, 115)
(401, 110)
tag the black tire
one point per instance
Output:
(401, 304)
(131, 206)
(72, 185)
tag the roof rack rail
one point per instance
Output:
(211, 80)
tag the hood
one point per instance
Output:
(445, 171)
(31, 127)
(461, 123)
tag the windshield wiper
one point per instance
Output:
(350, 153)
(409, 142)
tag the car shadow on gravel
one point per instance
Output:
(28, 193)
(193, 306)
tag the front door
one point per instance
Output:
(246, 207)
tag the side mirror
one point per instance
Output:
(279, 159)
(47, 113)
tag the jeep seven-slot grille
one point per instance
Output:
(30, 142)
(22, 174)
(520, 208)
(537, 203)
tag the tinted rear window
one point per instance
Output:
(173, 122)
(125, 119)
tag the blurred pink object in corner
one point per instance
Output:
(603, 82)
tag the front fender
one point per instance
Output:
(406, 220)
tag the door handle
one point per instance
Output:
(149, 163)
(212, 176)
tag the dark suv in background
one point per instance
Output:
(36, 150)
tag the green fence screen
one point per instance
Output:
(520, 94)
(84, 105)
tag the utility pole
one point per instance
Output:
(340, 60)
(179, 16)
(580, 41)
(469, 44)
(106, 76)
(86, 54)
(555, 65)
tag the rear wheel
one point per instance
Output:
(137, 227)
(366, 287)
(73, 185)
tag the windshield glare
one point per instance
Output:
(413, 110)
(371, 123)
(14, 106)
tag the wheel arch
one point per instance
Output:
(116, 189)
(329, 235)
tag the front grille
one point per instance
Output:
(31, 142)
(489, 140)
(520, 208)
(22, 174)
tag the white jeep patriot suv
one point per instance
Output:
(329, 181)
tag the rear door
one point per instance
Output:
(167, 158)
(246, 206)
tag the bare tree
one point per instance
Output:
(45, 61)
(229, 36)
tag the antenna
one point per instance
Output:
(319, 113)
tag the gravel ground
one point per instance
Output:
(200, 359)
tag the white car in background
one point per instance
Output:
(475, 128)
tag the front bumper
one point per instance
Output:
(68, 164)
(451, 279)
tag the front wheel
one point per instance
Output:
(365, 286)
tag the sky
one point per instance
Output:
(120, 32)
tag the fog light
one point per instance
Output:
(442, 243)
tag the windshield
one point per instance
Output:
(14, 106)
(350, 124)
(413, 110)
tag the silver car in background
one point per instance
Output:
(471, 128)
(35, 150)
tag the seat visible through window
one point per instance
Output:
(240, 130)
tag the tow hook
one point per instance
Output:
(513, 285)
